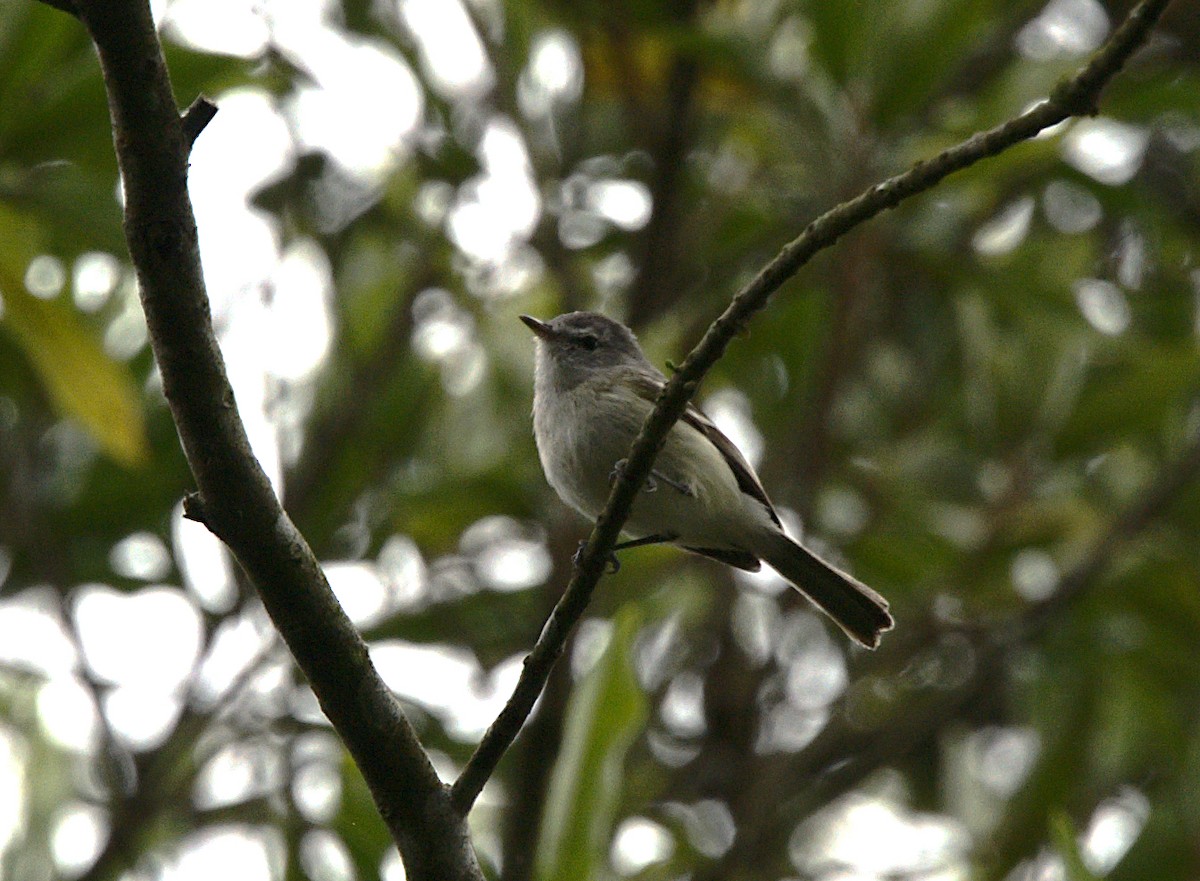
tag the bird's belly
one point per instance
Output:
(581, 464)
(692, 495)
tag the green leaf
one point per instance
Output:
(606, 712)
(59, 117)
(837, 35)
(76, 210)
(1066, 842)
(82, 381)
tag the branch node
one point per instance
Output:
(193, 509)
(196, 117)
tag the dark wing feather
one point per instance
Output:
(728, 556)
(747, 480)
(648, 387)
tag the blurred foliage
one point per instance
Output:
(605, 714)
(970, 400)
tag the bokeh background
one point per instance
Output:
(984, 403)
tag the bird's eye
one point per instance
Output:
(589, 341)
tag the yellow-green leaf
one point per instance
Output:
(606, 712)
(1066, 842)
(82, 380)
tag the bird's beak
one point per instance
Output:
(541, 328)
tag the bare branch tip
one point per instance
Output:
(193, 509)
(196, 117)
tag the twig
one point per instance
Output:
(196, 117)
(1074, 96)
(239, 503)
(193, 509)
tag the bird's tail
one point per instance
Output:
(853, 606)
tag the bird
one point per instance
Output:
(593, 389)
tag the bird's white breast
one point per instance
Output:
(584, 431)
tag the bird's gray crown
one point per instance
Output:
(595, 333)
(576, 344)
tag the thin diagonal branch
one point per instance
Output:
(239, 504)
(1074, 96)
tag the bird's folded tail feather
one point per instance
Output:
(853, 606)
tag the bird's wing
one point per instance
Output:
(737, 559)
(649, 387)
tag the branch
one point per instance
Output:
(1074, 96)
(195, 118)
(239, 504)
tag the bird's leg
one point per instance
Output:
(652, 480)
(682, 488)
(612, 563)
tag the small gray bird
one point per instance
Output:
(593, 389)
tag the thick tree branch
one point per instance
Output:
(1074, 96)
(238, 502)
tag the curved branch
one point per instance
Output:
(1074, 96)
(238, 502)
